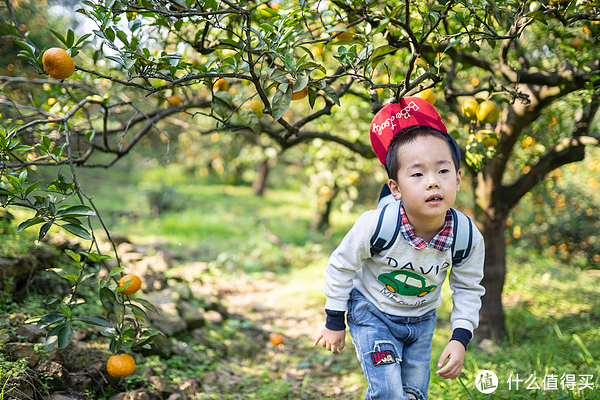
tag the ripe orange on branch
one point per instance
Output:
(488, 112)
(344, 35)
(254, 105)
(221, 85)
(300, 94)
(134, 286)
(427, 95)
(469, 109)
(58, 63)
(120, 365)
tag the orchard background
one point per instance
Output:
(230, 138)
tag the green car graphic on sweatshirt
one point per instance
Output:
(406, 283)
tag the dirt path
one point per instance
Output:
(294, 309)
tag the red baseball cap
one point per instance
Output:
(395, 117)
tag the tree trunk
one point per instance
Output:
(260, 183)
(491, 315)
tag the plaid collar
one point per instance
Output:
(442, 241)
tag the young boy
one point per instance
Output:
(392, 324)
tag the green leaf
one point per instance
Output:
(251, 119)
(65, 335)
(32, 187)
(396, 10)
(78, 211)
(383, 50)
(44, 230)
(119, 312)
(149, 306)
(26, 46)
(77, 231)
(65, 310)
(52, 336)
(96, 320)
(73, 255)
(59, 36)
(138, 312)
(29, 223)
(115, 271)
(332, 94)
(50, 319)
(108, 299)
(70, 38)
(280, 103)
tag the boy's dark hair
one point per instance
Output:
(392, 159)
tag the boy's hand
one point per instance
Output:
(455, 354)
(333, 341)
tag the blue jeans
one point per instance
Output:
(394, 352)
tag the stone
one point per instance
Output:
(138, 394)
(82, 381)
(56, 376)
(213, 317)
(162, 385)
(14, 267)
(191, 272)
(168, 320)
(161, 346)
(190, 388)
(68, 395)
(192, 315)
(31, 332)
(16, 350)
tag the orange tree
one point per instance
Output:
(533, 59)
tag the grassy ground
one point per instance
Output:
(277, 264)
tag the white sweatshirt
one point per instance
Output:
(404, 281)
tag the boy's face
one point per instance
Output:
(427, 180)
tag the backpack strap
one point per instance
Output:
(387, 228)
(463, 237)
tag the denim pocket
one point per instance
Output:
(358, 308)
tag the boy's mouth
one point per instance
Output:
(435, 198)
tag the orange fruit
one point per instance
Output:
(300, 94)
(344, 35)
(134, 286)
(427, 95)
(120, 365)
(488, 112)
(253, 105)
(317, 50)
(58, 63)
(174, 100)
(221, 85)
(469, 109)
(276, 338)
(576, 43)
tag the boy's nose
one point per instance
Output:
(433, 185)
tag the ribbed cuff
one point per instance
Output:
(462, 335)
(335, 320)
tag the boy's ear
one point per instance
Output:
(395, 189)
(458, 180)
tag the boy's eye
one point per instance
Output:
(417, 174)
(444, 171)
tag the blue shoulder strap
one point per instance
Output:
(463, 237)
(388, 227)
